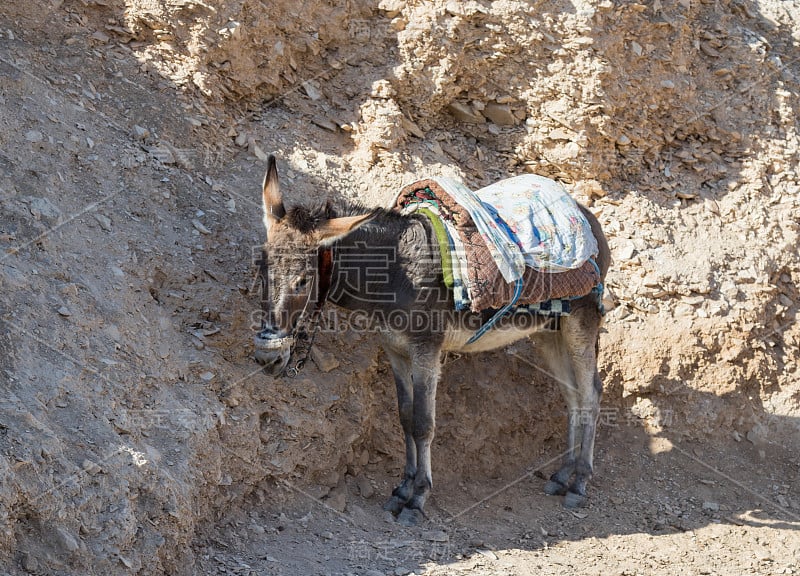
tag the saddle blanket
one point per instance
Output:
(486, 247)
(547, 223)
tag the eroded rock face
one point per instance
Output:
(603, 91)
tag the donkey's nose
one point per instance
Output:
(270, 361)
(271, 350)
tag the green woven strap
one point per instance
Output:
(444, 245)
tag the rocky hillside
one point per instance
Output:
(132, 147)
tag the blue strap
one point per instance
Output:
(503, 224)
(499, 314)
(599, 289)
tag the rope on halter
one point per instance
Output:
(324, 280)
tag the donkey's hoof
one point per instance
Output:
(394, 505)
(554, 488)
(575, 500)
(411, 517)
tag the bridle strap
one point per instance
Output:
(324, 280)
(325, 274)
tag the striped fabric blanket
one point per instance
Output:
(486, 254)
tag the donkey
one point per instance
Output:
(308, 261)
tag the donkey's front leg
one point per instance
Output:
(401, 368)
(425, 376)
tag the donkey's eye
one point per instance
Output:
(299, 284)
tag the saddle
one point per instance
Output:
(485, 262)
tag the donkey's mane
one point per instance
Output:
(306, 219)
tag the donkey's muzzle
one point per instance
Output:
(272, 350)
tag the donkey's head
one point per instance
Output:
(296, 268)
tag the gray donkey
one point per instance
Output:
(379, 263)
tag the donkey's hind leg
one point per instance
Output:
(580, 333)
(401, 368)
(570, 355)
(584, 466)
(551, 350)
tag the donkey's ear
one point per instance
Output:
(273, 203)
(335, 229)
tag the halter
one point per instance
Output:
(325, 279)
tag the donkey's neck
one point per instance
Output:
(382, 264)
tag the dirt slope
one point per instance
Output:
(136, 434)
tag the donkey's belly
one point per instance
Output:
(456, 338)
